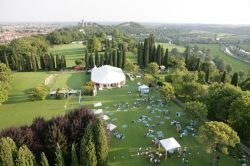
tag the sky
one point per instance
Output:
(158, 11)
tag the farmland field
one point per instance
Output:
(216, 51)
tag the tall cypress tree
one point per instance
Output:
(74, 158)
(87, 148)
(158, 55)
(186, 54)
(97, 60)
(58, 62)
(59, 160)
(146, 54)
(223, 78)
(198, 64)
(101, 60)
(25, 157)
(34, 64)
(106, 61)
(101, 143)
(111, 59)
(207, 75)
(91, 61)
(165, 62)
(123, 58)
(86, 59)
(6, 61)
(115, 58)
(53, 61)
(140, 55)
(44, 160)
(162, 55)
(119, 59)
(8, 150)
(235, 79)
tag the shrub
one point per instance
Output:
(38, 93)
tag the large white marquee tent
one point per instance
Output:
(108, 76)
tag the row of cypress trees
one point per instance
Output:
(115, 57)
(91, 149)
(147, 52)
(35, 63)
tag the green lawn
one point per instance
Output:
(215, 51)
(171, 46)
(121, 150)
(71, 52)
(19, 110)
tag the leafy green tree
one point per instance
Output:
(229, 68)
(196, 110)
(74, 158)
(153, 68)
(187, 54)
(235, 79)
(239, 116)
(25, 157)
(101, 143)
(94, 44)
(3, 93)
(245, 85)
(44, 160)
(167, 92)
(59, 160)
(174, 51)
(217, 135)
(130, 67)
(149, 79)
(38, 93)
(192, 90)
(8, 151)
(5, 75)
(219, 99)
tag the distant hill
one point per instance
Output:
(131, 28)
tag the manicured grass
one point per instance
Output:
(71, 52)
(216, 51)
(19, 110)
(171, 46)
(121, 150)
(72, 80)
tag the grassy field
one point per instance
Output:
(19, 110)
(246, 47)
(71, 52)
(171, 46)
(215, 51)
(124, 152)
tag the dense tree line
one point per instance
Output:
(65, 36)
(113, 57)
(5, 78)
(77, 138)
(147, 52)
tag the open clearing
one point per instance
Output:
(181, 49)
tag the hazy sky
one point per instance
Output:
(167, 11)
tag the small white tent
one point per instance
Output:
(170, 145)
(143, 89)
(111, 127)
(105, 117)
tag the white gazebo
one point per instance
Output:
(143, 89)
(107, 76)
(111, 127)
(170, 145)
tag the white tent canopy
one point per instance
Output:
(107, 75)
(105, 117)
(170, 144)
(111, 126)
(99, 104)
(98, 111)
(143, 89)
